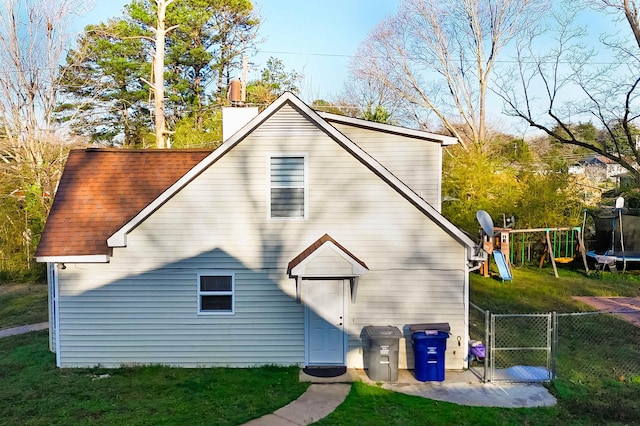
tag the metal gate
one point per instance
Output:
(520, 348)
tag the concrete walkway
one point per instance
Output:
(316, 403)
(6, 332)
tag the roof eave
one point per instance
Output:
(89, 258)
(389, 128)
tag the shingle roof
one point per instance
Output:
(101, 189)
(315, 246)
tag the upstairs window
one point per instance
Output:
(215, 293)
(287, 185)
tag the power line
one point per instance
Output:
(470, 61)
(350, 56)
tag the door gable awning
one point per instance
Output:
(324, 259)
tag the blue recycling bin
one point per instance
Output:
(429, 349)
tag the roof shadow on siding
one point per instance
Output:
(152, 317)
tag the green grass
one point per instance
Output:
(22, 304)
(370, 405)
(34, 392)
(537, 290)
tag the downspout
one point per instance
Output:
(56, 310)
(465, 343)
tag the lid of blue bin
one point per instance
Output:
(432, 326)
(429, 334)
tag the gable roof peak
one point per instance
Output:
(326, 238)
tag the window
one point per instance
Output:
(215, 293)
(287, 187)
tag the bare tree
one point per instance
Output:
(33, 40)
(361, 93)
(570, 82)
(438, 56)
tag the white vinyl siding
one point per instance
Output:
(417, 162)
(142, 306)
(215, 293)
(287, 187)
(151, 318)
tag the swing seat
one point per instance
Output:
(563, 259)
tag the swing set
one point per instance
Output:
(561, 245)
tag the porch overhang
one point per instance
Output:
(326, 259)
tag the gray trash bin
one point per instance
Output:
(381, 352)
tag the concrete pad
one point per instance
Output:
(509, 395)
(465, 388)
(23, 329)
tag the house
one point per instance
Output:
(597, 168)
(278, 247)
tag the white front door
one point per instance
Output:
(325, 340)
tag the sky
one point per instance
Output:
(318, 38)
(314, 37)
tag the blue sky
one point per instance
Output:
(318, 38)
(315, 38)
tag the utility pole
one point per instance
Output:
(158, 72)
(243, 87)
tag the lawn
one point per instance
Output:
(22, 304)
(372, 406)
(35, 392)
(537, 290)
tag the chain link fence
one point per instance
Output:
(520, 347)
(597, 346)
(479, 322)
(580, 347)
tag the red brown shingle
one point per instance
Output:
(102, 189)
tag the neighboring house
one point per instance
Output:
(597, 168)
(276, 248)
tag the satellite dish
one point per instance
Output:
(619, 202)
(485, 222)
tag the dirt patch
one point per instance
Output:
(627, 308)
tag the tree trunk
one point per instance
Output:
(158, 73)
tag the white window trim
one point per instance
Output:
(232, 293)
(306, 185)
